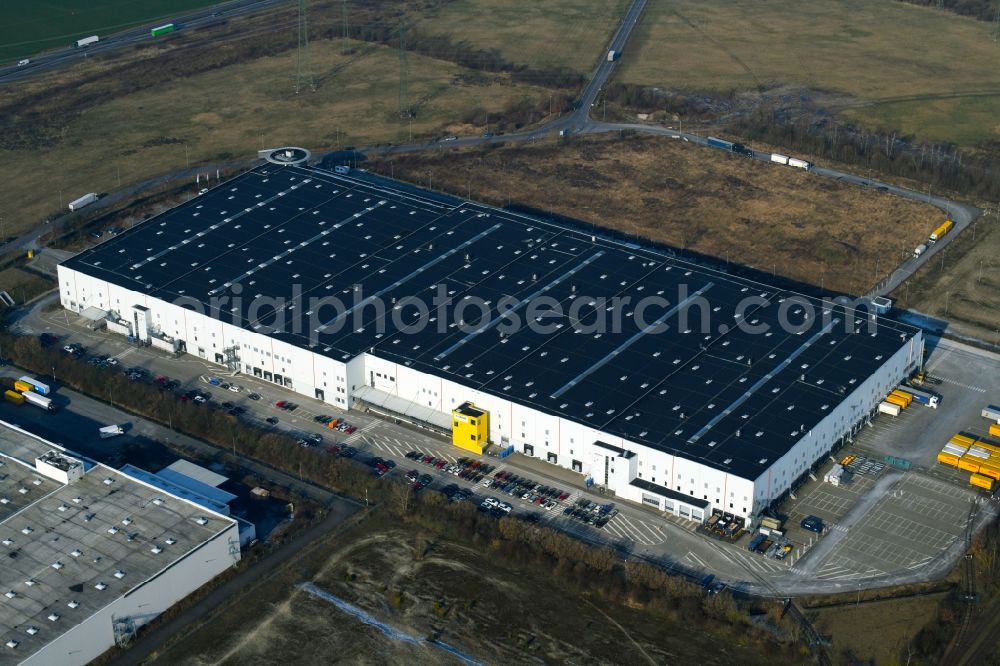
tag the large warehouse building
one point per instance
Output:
(667, 382)
(90, 554)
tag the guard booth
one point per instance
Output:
(470, 427)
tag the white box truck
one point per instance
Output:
(110, 431)
(85, 200)
(86, 41)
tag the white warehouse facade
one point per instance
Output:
(708, 392)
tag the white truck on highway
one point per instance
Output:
(612, 55)
(110, 431)
(86, 41)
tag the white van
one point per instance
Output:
(22, 63)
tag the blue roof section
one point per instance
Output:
(181, 489)
(728, 398)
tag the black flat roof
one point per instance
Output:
(730, 399)
(670, 494)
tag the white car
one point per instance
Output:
(22, 63)
(234, 388)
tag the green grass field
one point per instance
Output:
(30, 27)
(887, 64)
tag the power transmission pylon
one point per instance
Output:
(303, 76)
(343, 17)
(404, 101)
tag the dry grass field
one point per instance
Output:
(491, 611)
(774, 219)
(963, 286)
(893, 65)
(220, 94)
(874, 632)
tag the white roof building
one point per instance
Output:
(90, 554)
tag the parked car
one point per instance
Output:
(813, 524)
(272, 420)
(254, 396)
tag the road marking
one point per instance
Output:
(977, 389)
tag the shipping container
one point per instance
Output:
(904, 395)
(990, 469)
(995, 430)
(989, 446)
(162, 30)
(22, 386)
(962, 440)
(13, 397)
(991, 412)
(947, 459)
(86, 41)
(780, 159)
(770, 523)
(896, 400)
(979, 452)
(889, 408)
(968, 463)
(981, 481)
(37, 386)
(924, 397)
(38, 401)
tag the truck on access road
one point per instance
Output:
(38, 401)
(938, 233)
(110, 431)
(86, 41)
(612, 55)
(925, 398)
(919, 250)
(729, 146)
(85, 200)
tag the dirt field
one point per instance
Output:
(23, 285)
(947, 89)
(873, 632)
(487, 610)
(220, 94)
(964, 288)
(774, 219)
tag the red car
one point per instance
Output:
(350, 430)
(161, 380)
(281, 404)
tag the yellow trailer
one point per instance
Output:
(969, 463)
(947, 459)
(990, 469)
(908, 397)
(21, 387)
(981, 481)
(962, 440)
(941, 231)
(14, 397)
(896, 400)
(995, 430)
(992, 448)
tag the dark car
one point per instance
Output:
(254, 396)
(813, 524)
(272, 420)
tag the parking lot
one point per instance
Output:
(910, 526)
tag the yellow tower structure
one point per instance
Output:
(470, 427)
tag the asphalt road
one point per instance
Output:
(51, 60)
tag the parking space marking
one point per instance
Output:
(946, 380)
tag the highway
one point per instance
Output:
(201, 18)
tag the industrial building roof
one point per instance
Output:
(72, 549)
(729, 398)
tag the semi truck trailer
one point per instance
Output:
(85, 200)
(162, 30)
(38, 401)
(940, 231)
(86, 41)
(36, 386)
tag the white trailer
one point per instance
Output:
(40, 388)
(992, 412)
(86, 41)
(110, 431)
(85, 200)
(612, 55)
(780, 159)
(888, 408)
(799, 164)
(38, 401)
